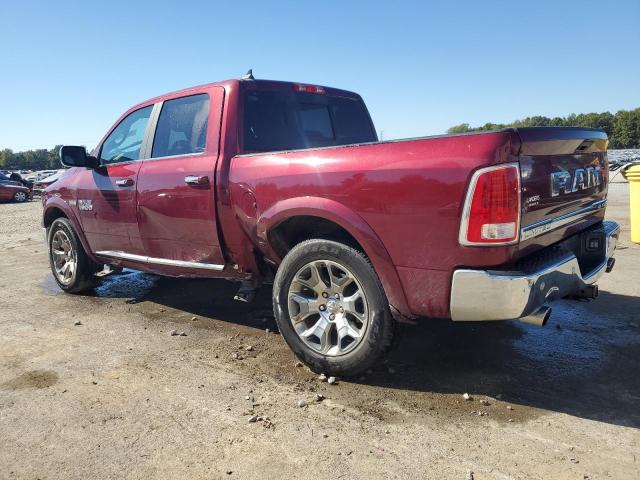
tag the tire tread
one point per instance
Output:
(85, 279)
(381, 324)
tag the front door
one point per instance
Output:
(106, 199)
(176, 195)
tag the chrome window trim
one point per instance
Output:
(145, 154)
(544, 226)
(159, 261)
(464, 222)
(199, 154)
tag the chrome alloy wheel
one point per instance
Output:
(64, 257)
(328, 308)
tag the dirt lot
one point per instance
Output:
(118, 396)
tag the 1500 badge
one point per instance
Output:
(85, 205)
(582, 178)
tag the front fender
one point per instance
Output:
(55, 202)
(350, 221)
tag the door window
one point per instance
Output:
(182, 126)
(125, 141)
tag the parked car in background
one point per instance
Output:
(16, 177)
(39, 175)
(22, 173)
(13, 191)
(45, 182)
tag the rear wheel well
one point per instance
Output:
(295, 230)
(51, 215)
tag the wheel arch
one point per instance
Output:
(51, 214)
(56, 208)
(279, 229)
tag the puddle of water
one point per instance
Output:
(50, 286)
(127, 284)
(207, 299)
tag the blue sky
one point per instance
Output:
(69, 69)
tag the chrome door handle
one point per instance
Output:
(124, 182)
(196, 180)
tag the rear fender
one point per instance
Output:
(351, 222)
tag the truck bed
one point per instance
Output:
(410, 193)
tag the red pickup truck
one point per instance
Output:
(286, 183)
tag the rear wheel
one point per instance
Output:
(20, 196)
(331, 308)
(72, 269)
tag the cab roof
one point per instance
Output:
(252, 84)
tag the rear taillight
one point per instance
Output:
(491, 213)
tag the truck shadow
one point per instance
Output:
(583, 363)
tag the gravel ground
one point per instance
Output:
(19, 222)
(119, 396)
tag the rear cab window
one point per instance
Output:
(286, 119)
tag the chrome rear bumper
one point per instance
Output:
(504, 295)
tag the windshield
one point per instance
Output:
(289, 120)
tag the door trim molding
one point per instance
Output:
(147, 143)
(158, 261)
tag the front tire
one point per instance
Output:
(20, 197)
(331, 308)
(72, 269)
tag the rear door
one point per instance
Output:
(176, 196)
(106, 196)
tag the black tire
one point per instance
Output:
(83, 278)
(377, 336)
(20, 196)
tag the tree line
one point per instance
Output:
(623, 128)
(40, 159)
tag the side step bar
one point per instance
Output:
(158, 261)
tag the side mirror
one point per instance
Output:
(73, 156)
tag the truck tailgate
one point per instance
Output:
(564, 176)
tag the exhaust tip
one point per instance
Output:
(539, 318)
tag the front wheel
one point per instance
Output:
(331, 308)
(72, 269)
(20, 196)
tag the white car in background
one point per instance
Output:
(40, 175)
(40, 185)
